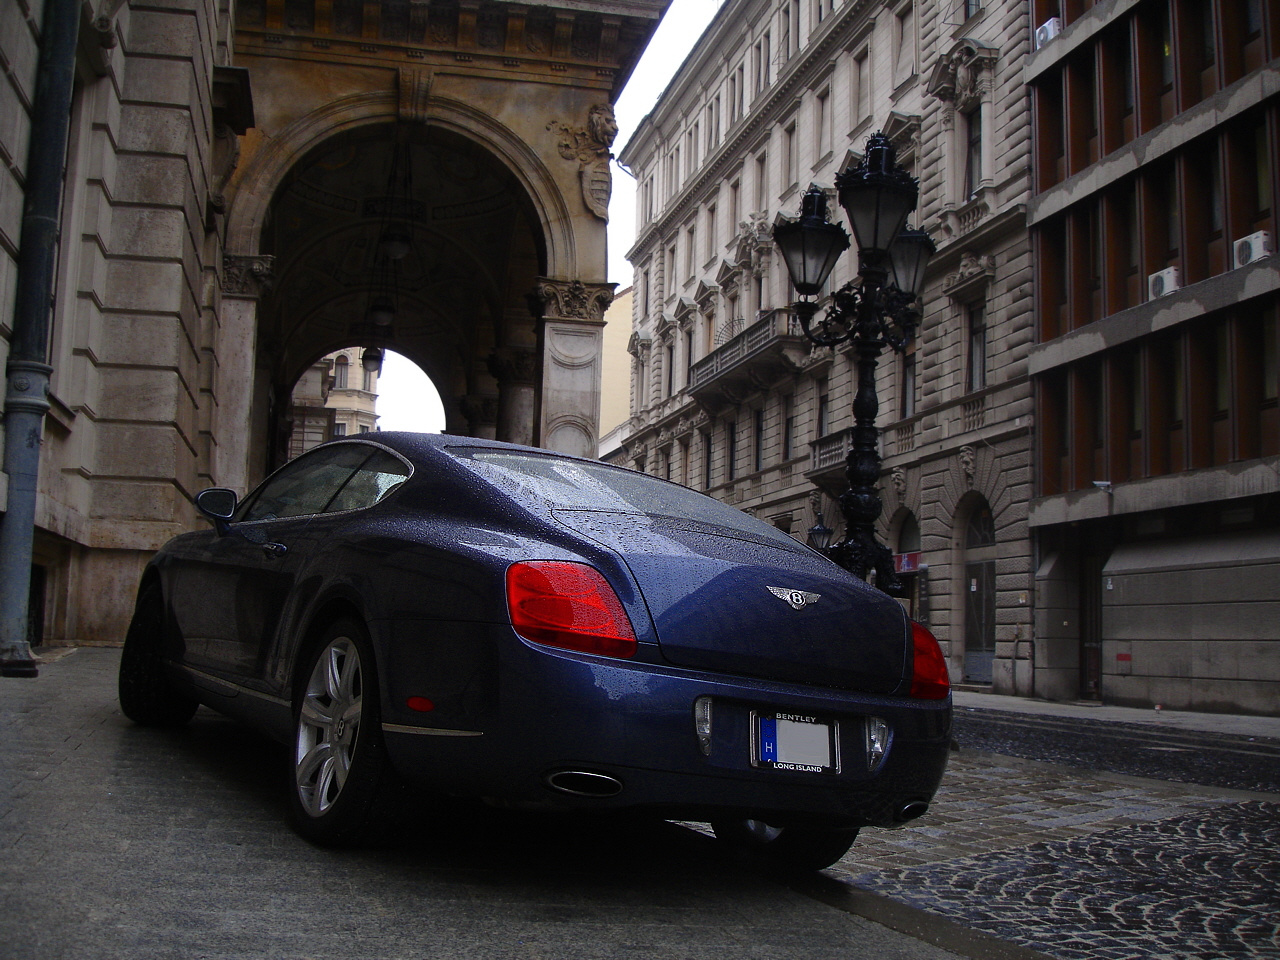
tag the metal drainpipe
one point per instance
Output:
(27, 373)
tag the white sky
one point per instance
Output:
(407, 400)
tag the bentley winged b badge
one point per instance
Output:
(796, 598)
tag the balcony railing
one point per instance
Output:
(830, 451)
(760, 350)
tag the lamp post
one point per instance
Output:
(874, 311)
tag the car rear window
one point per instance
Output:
(583, 485)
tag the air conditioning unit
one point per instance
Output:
(1250, 248)
(1047, 31)
(1166, 281)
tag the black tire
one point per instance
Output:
(147, 693)
(341, 785)
(793, 848)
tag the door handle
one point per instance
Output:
(275, 549)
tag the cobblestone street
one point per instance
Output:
(1087, 866)
(125, 842)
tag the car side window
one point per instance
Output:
(376, 478)
(306, 485)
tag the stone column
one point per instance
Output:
(481, 414)
(239, 438)
(572, 315)
(515, 369)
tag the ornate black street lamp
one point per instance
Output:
(875, 311)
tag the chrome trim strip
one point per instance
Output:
(220, 682)
(429, 731)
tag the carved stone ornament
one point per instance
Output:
(755, 243)
(972, 273)
(415, 93)
(514, 365)
(479, 410)
(571, 300)
(963, 76)
(590, 146)
(899, 480)
(247, 276)
(968, 456)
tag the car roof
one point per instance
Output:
(425, 444)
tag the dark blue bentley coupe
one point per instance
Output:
(505, 623)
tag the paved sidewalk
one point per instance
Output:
(1168, 719)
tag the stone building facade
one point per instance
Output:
(1158, 462)
(233, 174)
(727, 395)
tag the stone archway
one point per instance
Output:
(504, 295)
(453, 297)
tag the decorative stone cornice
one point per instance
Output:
(247, 276)
(903, 131)
(571, 300)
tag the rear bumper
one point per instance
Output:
(550, 712)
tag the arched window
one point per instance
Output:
(340, 373)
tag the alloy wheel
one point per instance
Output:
(328, 726)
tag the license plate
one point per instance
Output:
(789, 741)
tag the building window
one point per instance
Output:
(907, 395)
(861, 94)
(904, 65)
(976, 331)
(762, 183)
(730, 450)
(340, 373)
(973, 153)
(339, 429)
(688, 358)
(789, 152)
(788, 427)
(823, 411)
(708, 452)
(669, 359)
(758, 441)
(690, 250)
(711, 231)
(822, 123)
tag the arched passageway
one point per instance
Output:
(412, 238)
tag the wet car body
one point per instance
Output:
(743, 642)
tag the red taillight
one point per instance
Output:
(929, 679)
(571, 605)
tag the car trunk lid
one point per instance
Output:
(759, 605)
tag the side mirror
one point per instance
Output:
(219, 505)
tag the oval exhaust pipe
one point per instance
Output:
(911, 810)
(584, 783)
